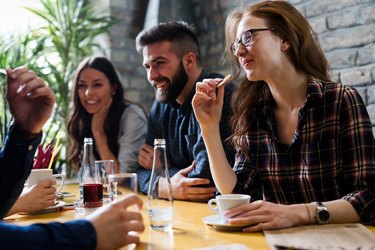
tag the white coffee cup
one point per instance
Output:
(222, 203)
(38, 175)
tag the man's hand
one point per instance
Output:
(185, 188)
(30, 100)
(146, 156)
(114, 224)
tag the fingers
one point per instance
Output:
(106, 106)
(41, 90)
(187, 170)
(256, 228)
(24, 82)
(14, 73)
(249, 209)
(145, 156)
(191, 189)
(195, 182)
(148, 148)
(133, 216)
(132, 239)
(129, 200)
(206, 89)
(47, 183)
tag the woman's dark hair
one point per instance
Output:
(79, 121)
(250, 100)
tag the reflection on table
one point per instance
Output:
(189, 231)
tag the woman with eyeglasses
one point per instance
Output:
(303, 142)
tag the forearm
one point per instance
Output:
(224, 177)
(79, 234)
(103, 149)
(341, 211)
(16, 162)
(16, 208)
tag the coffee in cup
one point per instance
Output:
(38, 175)
(224, 202)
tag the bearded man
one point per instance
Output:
(171, 57)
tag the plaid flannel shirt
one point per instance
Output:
(330, 157)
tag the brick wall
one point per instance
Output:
(346, 30)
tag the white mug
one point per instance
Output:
(222, 203)
(38, 175)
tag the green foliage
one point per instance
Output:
(54, 52)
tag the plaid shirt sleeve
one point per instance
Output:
(358, 160)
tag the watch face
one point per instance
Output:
(323, 216)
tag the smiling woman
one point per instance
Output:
(100, 111)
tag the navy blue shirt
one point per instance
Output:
(16, 160)
(180, 129)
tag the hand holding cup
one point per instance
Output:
(222, 203)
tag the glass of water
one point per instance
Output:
(105, 167)
(122, 184)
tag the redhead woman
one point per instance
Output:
(303, 141)
(100, 111)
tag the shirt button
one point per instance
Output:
(30, 147)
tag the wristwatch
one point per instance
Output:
(322, 213)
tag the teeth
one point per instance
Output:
(160, 85)
(92, 102)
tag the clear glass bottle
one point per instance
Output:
(160, 206)
(90, 186)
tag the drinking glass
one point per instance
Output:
(105, 167)
(122, 184)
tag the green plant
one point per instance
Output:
(15, 51)
(54, 52)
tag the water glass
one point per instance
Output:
(122, 184)
(105, 167)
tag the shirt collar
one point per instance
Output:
(314, 90)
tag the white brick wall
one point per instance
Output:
(345, 28)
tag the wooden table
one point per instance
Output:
(188, 229)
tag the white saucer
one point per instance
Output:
(50, 209)
(218, 223)
(56, 207)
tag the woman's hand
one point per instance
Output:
(262, 215)
(206, 104)
(36, 198)
(97, 124)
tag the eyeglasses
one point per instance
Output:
(246, 38)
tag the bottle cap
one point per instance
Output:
(159, 141)
(87, 140)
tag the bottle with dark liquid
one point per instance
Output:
(91, 188)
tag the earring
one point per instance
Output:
(113, 93)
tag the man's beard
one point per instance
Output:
(173, 88)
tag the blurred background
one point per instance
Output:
(53, 36)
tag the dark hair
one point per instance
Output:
(304, 52)
(79, 121)
(179, 33)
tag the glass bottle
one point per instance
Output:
(90, 186)
(160, 206)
